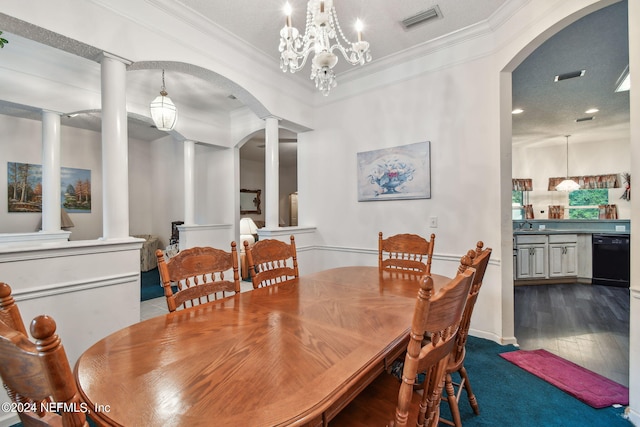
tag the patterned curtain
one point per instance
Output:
(556, 212)
(522, 184)
(589, 181)
(528, 212)
(608, 212)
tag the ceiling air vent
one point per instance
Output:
(421, 17)
(567, 76)
(584, 119)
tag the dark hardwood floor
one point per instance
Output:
(586, 324)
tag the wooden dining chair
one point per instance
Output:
(271, 262)
(37, 376)
(198, 275)
(439, 315)
(9, 312)
(479, 259)
(405, 253)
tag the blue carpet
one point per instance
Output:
(510, 396)
(150, 285)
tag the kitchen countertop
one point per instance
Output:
(570, 226)
(547, 231)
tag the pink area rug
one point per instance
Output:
(589, 387)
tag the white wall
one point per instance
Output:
(444, 107)
(252, 177)
(141, 189)
(21, 141)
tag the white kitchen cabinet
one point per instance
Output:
(531, 257)
(563, 255)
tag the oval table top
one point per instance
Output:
(291, 354)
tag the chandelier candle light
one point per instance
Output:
(322, 36)
(163, 111)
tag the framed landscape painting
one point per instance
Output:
(24, 187)
(75, 189)
(402, 172)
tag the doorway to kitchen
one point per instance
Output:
(586, 323)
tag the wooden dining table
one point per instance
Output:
(290, 354)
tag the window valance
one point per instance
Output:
(589, 181)
(522, 184)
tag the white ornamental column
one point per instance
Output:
(50, 171)
(272, 173)
(115, 151)
(189, 183)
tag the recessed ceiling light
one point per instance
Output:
(567, 76)
(517, 111)
(591, 111)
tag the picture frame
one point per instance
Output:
(24, 188)
(397, 173)
(250, 202)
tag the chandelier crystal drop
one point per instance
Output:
(322, 37)
(163, 111)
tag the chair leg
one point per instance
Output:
(452, 399)
(467, 386)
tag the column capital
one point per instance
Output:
(108, 55)
(265, 118)
(58, 113)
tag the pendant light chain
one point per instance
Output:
(567, 136)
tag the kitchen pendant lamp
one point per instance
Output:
(568, 185)
(163, 111)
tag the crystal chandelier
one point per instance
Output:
(163, 111)
(322, 36)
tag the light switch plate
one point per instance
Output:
(433, 222)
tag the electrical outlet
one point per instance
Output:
(433, 222)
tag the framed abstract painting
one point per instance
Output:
(402, 172)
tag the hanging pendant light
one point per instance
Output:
(163, 110)
(568, 185)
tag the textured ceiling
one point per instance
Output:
(597, 43)
(259, 23)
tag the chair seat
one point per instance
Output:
(376, 405)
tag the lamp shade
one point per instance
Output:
(247, 226)
(568, 185)
(163, 112)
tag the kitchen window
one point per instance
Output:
(583, 204)
(517, 204)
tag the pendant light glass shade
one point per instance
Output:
(568, 185)
(163, 110)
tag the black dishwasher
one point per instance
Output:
(611, 260)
